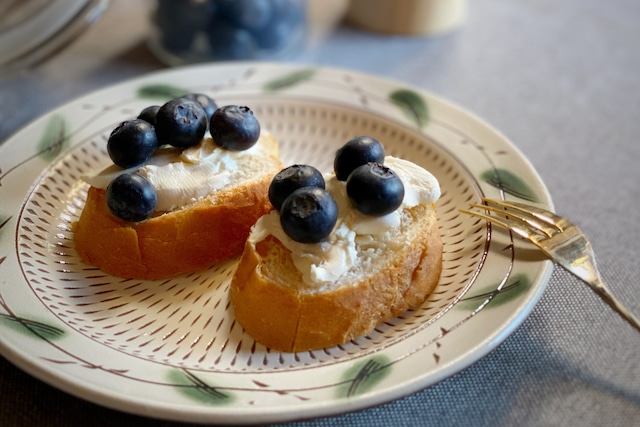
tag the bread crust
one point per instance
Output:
(283, 318)
(196, 236)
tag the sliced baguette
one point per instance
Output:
(186, 239)
(278, 312)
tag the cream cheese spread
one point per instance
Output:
(322, 264)
(182, 177)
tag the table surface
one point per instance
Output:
(559, 79)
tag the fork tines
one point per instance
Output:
(527, 221)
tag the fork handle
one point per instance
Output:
(603, 292)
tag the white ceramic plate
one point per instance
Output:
(171, 348)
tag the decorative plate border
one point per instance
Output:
(504, 286)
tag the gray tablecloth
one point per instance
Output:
(561, 79)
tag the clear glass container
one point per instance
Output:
(32, 31)
(191, 31)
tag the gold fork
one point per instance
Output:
(558, 238)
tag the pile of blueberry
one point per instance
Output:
(308, 212)
(232, 29)
(181, 123)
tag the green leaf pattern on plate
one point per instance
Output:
(32, 327)
(413, 105)
(161, 91)
(363, 376)
(196, 389)
(289, 80)
(54, 139)
(513, 289)
(28, 326)
(510, 183)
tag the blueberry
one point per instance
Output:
(308, 215)
(375, 189)
(291, 11)
(181, 123)
(246, 14)
(290, 179)
(356, 152)
(230, 42)
(149, 114)
(234, 128)
(205, 101)
(180, 21)
(131, 143)
(131, 197)
(287, 17)
(274, 36)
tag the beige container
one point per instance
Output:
(407, 17)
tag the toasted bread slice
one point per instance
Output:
(186, 239)
(276, 306)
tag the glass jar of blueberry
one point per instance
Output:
(190, 31)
